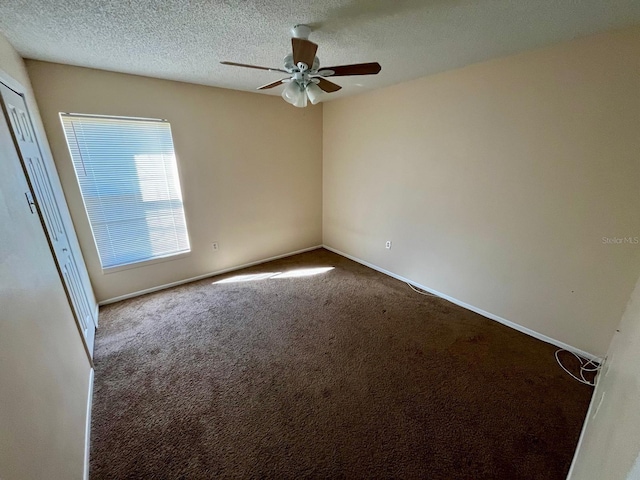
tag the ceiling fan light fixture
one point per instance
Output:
(292, 92)
(314, 93)
(301, 101)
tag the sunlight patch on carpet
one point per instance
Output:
(300, 272)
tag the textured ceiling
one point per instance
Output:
(185, 40)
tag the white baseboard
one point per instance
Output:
(206, 275)
(87, 434)
(460, 303)
(484, 313)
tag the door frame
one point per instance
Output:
(18, 88)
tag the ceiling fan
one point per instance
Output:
(306, 79)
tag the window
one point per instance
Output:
(128, 176)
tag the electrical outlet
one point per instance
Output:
(387, 245)
(215, 246)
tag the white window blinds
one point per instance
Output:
(127, 172)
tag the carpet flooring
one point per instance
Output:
(342, 373)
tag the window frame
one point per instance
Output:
(142, 262)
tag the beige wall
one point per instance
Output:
(497, 182)
(250, 167)
(44, 371)
(611, 440)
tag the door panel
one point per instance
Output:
(75, 289)
(47, 203)
(78, 292)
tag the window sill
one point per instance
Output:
(144, 263)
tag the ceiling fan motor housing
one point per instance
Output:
(291, 67)
(302, 72)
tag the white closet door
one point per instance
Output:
(78, 291)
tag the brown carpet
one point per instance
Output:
(343, 374)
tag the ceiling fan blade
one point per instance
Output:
(328, 86)
(234, 64)
(355, 69)
(303, 51)
(273, 84)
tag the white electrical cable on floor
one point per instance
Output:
(421, 292)
(586, 365)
